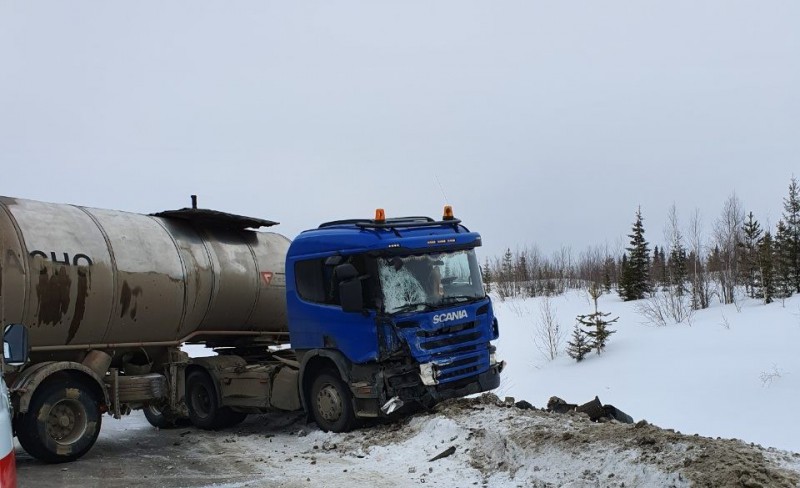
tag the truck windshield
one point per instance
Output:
(425, 281)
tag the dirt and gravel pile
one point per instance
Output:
(531, 447)
(700, 460)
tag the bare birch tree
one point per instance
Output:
(697, 251)
(727, 235)
(548, 333)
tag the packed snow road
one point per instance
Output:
(479, 442)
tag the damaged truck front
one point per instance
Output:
(388, 315)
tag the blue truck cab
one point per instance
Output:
(388, 315)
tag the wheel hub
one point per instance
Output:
(329, 403)
(66, 421)
(201, 401)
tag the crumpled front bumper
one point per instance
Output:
(486, 381)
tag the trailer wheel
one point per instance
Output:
(164, 418)
(332, 403)
(62, 421)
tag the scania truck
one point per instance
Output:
(355, 319)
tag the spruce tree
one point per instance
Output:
(765, 279)
(657, 272)
(486, 273)
(676, 267)
(522, 275)
(596, 323)
(749, 255)
(624, 278)
(782, 262)
(791, 206)
(506, 278)
(579, 346)
(597, 328)
(638, 266)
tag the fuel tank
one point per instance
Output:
(80, 276)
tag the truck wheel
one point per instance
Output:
(62, 421)
(204, 410)
(332, 403)
(164, 418)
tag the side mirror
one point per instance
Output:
(350, 292)
(15, 344)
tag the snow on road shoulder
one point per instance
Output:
(484, 442)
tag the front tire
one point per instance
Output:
(332, 403)
(62, 422)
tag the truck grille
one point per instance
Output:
(453, 335)
(457, 351)
(461, 368)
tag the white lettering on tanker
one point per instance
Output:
(446, 317)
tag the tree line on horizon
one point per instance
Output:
(691, 268)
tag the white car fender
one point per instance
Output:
(8, 467)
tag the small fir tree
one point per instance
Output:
(597, 323)
(579, 346)
(765, 279)
(486, 276)
(507, 274)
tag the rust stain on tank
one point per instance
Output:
(53, 294)
(80, 304)
(128, 296)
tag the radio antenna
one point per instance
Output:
(440, 188)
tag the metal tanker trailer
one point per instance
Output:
(108, 297)
(81, 277)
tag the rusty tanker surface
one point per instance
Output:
(83, 278)
(109, 298)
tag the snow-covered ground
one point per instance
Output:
(731, 373)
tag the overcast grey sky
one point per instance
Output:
(544, 122)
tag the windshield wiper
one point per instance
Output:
(459, 299)
(415, 307)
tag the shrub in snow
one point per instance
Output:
(548, 334)
(666, 307)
